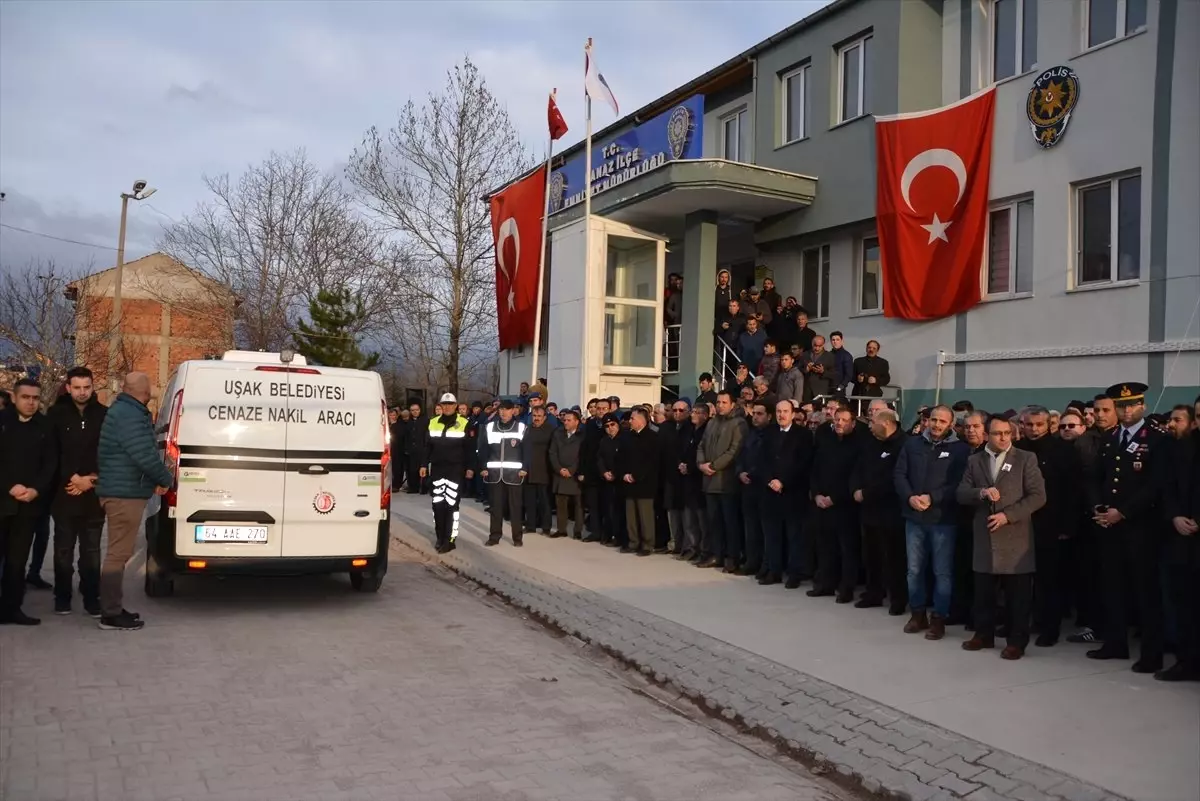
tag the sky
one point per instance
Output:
(94, 95)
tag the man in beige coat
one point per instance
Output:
(1005, 486)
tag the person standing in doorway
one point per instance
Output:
(131, 471)
(77, 418)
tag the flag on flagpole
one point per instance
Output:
(558, 125)
(596, 87)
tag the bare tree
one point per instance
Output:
(423, 179)
(42, 309)
(275, 238)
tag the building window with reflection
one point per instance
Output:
(631, 303)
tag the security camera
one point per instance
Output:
(139, 185)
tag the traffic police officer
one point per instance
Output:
(500, 448)
(448, 455)
(1124, 497)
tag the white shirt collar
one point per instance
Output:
(1133, 429)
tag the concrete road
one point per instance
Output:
(303, 689)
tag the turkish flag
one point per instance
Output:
(517, 235)
(931, 206)
(554, 118)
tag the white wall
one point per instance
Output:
(569, 318)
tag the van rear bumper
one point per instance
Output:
(160, 543)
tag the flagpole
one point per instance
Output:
(587, 194)
(537, 319)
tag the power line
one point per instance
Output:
(56, 238)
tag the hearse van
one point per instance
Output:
(280, 468)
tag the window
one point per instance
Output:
(814, 282)
(1105, 20)
(735, 136)
(1010, 249)
(631, 303)
(1014, 37)
(795, 105)
(870, 278)
(1109, 231)
(854, 72)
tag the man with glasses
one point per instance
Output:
(1124, 497)
(672, 434)
(695, 522)
(612, 499)
(1071, 426)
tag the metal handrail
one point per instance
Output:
(725, 362)
(672, 340)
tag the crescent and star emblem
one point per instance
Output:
(509, 228)
(934, 157)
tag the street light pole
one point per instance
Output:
(140, 192)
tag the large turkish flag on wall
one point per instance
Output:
(931, 205)
(517, 234)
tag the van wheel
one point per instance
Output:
(159, 585)
(366, 580)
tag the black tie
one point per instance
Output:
(1124, 437)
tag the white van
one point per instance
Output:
(280, 468)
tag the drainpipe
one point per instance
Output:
(941, 362)
(754, 110)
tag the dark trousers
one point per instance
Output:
(838, 545)
(724, 526)
(16, 537)
(1087, 558)
(537, 507)
(640, 520)
(447, 496)
(962, 589)
(1131, 571)
(613, 514)
(783, 534)
(569, 507)
(398, 464)
(885, 553)
(415, 482)
(593, 510)
(753, 496)
(662, 526)
(1018, 599)
(1183, 589)
(69, 531)
(505, 497)
(1051, 582)
(41, 543)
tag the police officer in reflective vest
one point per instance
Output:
(503, 471)
(447, 455)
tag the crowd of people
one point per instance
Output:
(87, 467)
(1007, 524)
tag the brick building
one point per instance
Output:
(169, 314)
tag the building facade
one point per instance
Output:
(1091, 273)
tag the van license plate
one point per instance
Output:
(231, 533)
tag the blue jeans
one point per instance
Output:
(927, 543)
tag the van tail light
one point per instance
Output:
(171, 450)
(385, 464)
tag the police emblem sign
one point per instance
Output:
(1051, 101)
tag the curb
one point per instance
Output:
(868, 746)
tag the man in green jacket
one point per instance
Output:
(131, 471)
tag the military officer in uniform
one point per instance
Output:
(1124, 496)
(448, 454)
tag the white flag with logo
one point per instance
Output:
(597, 88)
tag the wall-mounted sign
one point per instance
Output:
(674, 134)
(1051, 100)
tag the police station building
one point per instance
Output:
(765, 166)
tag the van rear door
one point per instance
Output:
(335, 442)
(232, 447)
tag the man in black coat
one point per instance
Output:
(1181, 508)
(78, 519)
(785, 471)
(640, 468)
(882, 525)
(834, 513)
(28, 461)
(671, 436)
(751, 472)
(414, 448)
(536, 456)
(694, 547)
(1055, 524)
(612, 497)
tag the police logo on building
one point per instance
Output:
(1051, 101)
(558, 188)
(679, 130)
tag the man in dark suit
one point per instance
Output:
(1123, 496)
(1181, 507)
(785, 471)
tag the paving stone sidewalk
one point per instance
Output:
(878, 748)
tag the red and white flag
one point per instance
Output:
(931, 206)
(554, 118)
(517, 235)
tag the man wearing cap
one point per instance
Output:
(500, 449)
(447, 450)
(1124, 499)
